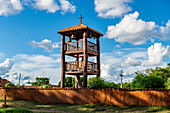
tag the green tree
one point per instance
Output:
(70, 82)
(9, 85)
(40, 81)
(148, 81)
(111, 85)
(127, 85)
(96, 83)
(167, 84)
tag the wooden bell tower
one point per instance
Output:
(79, 49)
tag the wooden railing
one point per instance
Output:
(78, 45)
(78, 66)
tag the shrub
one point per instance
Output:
(45, 86)
(9, 85)
(96, 83)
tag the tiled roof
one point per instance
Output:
(3, 82)
(79, 27)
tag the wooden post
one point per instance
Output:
(19, 80)
(5, 100)
(85, 59)
(98, 56)
(62, 62)
(76, 76)
(121, 84)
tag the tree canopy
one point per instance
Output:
(40, 81)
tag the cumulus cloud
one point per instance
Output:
(14, 77)
(112, 8)
(157, 53)
(165, 31)
(138, 59)
(10, 7)
(66, 6)
(6, 66)
(38, 66)
(46, 44)
(49, 5)
(133, 30)
(130, 61)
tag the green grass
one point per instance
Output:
(13, 110)
(23, 106)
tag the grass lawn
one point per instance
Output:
(36, 107)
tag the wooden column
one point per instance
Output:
(62, 61)
(98, 56)
(76, 76)
(85, 59)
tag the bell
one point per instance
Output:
(69, 40)
(90, 36)
(73, 36)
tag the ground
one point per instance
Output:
(37, 108)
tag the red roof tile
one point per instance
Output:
(79, 27)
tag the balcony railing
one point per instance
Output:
(78, 45)
(78, 66)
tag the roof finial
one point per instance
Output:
(81, 19)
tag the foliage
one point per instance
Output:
(147, 81)
(40, 81)
(111, 85)
(167, 84)
(70, 82)
(96, 83)
(12, 110)
(9, 85)
(127, 85)
(45, 86)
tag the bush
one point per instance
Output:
(9, 85)
(45, 86)
(96, 83)
(167, 84)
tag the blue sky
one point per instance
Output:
(136, 35)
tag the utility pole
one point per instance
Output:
(19, 80)
(121, 75)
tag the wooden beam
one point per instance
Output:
(85, 59)
(98, 56)
(77, 64)
(62, 61)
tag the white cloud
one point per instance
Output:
(49, 5)
(112, 8)
(157, 53)
(10, 7)
(118, 46)
(133, 30)
(66, 6)
(6, 66)
(112, 63)
(46, 44)
(165, 31)
(37, 65)
(130, 61)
